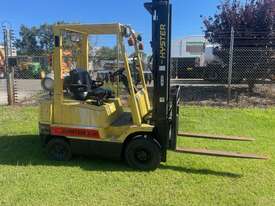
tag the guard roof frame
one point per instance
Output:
(91, 29)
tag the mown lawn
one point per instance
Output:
(28, 178)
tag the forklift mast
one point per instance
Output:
(161, 11)
(166, 98)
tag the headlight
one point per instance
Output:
(48, 83)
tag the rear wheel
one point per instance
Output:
(143, 154)
(59, 150)
(212, 76)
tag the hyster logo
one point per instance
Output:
(163, 36)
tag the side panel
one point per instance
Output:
(107, 148)
(75, 132)
(96, 148)
(78, 114)
(112, 150)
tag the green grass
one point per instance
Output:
(28, 178)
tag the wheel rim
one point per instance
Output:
(59, 152)
(213, 76)
(142, 155)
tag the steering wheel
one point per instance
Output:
(122, 77)
(97, 84)
(118, 72)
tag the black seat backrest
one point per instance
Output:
(83, 87)
(80, 84)
(80, 77)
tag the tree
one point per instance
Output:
(253, 24)
(46, 37)
(27, 44)
(106, 53)
(38, 40)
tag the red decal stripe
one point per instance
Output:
(75, 132)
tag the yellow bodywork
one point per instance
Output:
(108, 118)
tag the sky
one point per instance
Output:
(186, 14)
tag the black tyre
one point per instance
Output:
(143, 154)
(212, 76)
(59, 150)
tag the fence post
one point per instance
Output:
(9, 72)
(230, 68)
(10, 87)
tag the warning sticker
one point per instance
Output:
(162, 68)
(162, 100)
(75, 132)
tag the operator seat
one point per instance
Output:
(83, 87)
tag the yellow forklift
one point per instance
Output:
(91, 121)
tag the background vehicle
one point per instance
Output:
(215, 64)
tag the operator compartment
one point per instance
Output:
(90, 83)
(86, 102)
(91, 103)
(84, 84)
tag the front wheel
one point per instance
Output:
(59, 150)
(143, 154)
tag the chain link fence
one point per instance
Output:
(208, 73)
(30, 67)
(217, 75)
(28, 74)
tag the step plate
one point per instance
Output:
(219, 153)
(214, 137)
